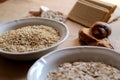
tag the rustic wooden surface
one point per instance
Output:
(16, 9)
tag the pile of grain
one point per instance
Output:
(28, 38)
(84, 71)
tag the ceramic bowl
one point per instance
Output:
(51, 61)
(60, 27)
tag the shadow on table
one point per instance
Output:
(14, 70)
(1, 1)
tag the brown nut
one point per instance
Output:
(101, 30)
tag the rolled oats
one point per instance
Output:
(84, 71)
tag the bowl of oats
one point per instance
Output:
(77, 63)
(31, 38)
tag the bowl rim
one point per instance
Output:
(77, 47)
(42, 59)
(33, 52)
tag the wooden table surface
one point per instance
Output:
(16, 9)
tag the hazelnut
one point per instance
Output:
(100, 30)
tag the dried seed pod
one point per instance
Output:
(100, 30)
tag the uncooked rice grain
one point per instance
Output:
(29, 38)
(84, 71)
